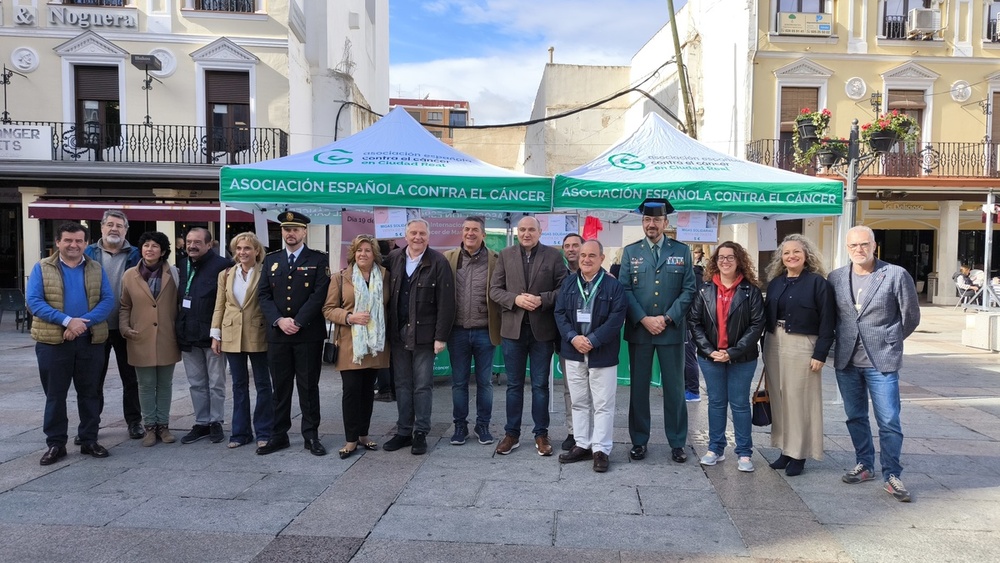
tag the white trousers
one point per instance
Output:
(593, 393)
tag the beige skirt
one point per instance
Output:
(796, 395)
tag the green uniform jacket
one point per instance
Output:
(655, 289)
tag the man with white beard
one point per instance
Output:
(114, 253)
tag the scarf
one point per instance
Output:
(369, 338)
(723, 299)
(154, 278)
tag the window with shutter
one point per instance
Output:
(98, 117)
(227, 94)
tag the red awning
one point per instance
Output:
(137, 211)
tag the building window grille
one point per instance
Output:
(237, 6)
(117, 3)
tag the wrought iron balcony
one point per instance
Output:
(969, 160)
(166, 144)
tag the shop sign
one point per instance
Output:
(87, 18)
(25, 142)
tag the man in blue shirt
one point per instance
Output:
(70, 298)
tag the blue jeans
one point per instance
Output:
(263, 412)
(463, 345)
(516, 355)
(729, 384)
(855, 385)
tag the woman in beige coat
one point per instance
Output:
(146, 318)
(238, 330)
(355, 303)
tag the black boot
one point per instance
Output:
(795, 467)
(781, 462)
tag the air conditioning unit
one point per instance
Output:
(923, 20)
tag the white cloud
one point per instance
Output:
(501, 85)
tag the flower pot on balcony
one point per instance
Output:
(807, 130)
(883, 141)
(828, 157)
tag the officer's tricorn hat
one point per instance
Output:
(655, 207)
(290, 218)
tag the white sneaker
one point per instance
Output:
(745, 464)
(711, 458)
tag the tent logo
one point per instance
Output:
(626, 161)
(333, 157)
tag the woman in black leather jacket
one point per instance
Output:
(726, 320)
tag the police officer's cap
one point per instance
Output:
(655, 207)
(291, 218)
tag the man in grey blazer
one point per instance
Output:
(526, 283)
(877, 310)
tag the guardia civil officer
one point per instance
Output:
(659, 283)
(291, 293)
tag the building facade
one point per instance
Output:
(753, 67)
(136, 104)
(440, 117)
(933, 60)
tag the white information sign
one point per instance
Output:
(390, 222)
(25, 142)
(767, 235)
(697, 226)
(555, 226)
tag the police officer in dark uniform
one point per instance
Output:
(291, 294)
(659, 283)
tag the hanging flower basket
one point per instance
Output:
(882, 141)
(807, 131)
(889, 129)
(811, 124)
(828, 157)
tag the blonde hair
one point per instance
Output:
(373, 242)
(258, 248)
(814, 260)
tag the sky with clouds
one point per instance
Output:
(492, 52)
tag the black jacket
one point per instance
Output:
(194, 323)
(744, 324)
(431, 309)
(299, 294)
(810, 308)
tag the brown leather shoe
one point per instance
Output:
(600, 462)
(164, 433)
(576, 454)
(508, 443)
(543, 445)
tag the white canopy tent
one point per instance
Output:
(395, 162)
(658, 161)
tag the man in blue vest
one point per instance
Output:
(70, 298)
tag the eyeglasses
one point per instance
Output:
(857, 245)
(721, 258)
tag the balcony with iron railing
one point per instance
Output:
(939, 159)
(163, 144)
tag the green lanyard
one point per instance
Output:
(588, 297)
(187, 290)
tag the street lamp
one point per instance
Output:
(856, 166)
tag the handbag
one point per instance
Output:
(761, 404)
(330, 348)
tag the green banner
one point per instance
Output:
(712, 196)
(528, 194)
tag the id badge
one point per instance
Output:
(582, 316)
(186, 303)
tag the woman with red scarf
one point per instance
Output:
(726, 321)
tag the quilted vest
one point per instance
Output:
(52, 284)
